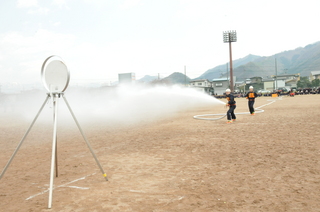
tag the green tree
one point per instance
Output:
(304, 83)
(315, 83)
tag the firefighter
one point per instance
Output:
(232, 106)
(251, 95)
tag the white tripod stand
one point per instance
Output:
(54, 65)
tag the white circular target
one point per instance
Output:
(55, 74)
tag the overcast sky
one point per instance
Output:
(100, 38)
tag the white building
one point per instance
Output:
(268, 84)
(221, 84)
(314, 75)
(202, 85)
(127, 78)
(286, 80)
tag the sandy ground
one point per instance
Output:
(266, 162)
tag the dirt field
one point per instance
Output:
(266, 162)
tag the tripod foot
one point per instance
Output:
(105, 176)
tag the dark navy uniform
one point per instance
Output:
(251, 95)
(232, 106)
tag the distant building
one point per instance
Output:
(314, 75)
(221, 84)
(272, 84)
(255, 80)
(286, 80)
(240, 86)
(280, 83)
(127, 78)
(202, 84)
(268, 84)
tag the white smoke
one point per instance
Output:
(134, 104)
(122, 105)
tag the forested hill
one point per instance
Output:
(300, 60)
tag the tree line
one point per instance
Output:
(304, 82)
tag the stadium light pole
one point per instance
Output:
(185, 76)
(229, 37)
(275, 64)
(228, 75)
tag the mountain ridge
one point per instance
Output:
(301, 60)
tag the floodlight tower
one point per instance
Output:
(229, 37)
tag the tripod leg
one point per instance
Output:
(22, 140)
(56, 155)
(86, 140)
(54, 142)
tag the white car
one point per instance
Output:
(264, 91)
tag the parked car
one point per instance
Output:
(264, 91)
(282, 89)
